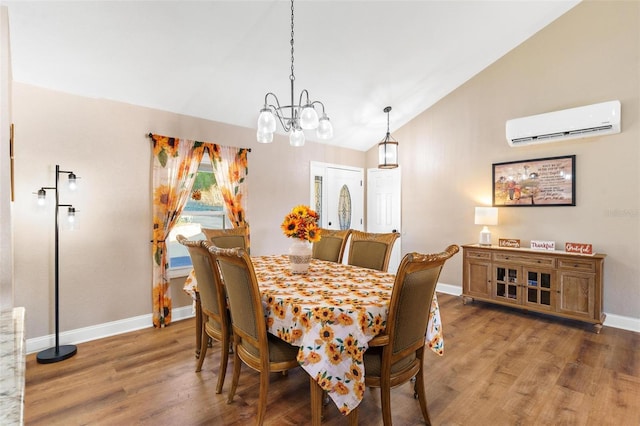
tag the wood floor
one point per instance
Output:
(501, 367)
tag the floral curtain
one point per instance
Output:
(175, 165)
(230, 169)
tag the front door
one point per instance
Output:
(337, 194)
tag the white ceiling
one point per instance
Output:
(217, 59)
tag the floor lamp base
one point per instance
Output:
(51, 355)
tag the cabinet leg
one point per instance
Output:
(466, 299)
(597, 328)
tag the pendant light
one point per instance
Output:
(388, 149)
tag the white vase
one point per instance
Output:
(300, 256)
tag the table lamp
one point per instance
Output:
(486, 216)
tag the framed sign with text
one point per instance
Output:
(538, 182)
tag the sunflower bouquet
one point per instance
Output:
(302, 223)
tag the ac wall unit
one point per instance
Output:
(591, 120)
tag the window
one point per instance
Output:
(205, 209)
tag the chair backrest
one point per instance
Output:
(371, 250)
(411, 299)
(228, 238)
(243, 294)
(212, 298)
(331, 245)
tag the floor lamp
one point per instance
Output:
(57, 353)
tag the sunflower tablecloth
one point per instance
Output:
(331, 313)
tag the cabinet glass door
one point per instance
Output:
(538, 288)
(507, 280)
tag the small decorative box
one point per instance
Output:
(581, 248)
(543, 245)
(509, 242)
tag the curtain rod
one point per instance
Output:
(151, 135)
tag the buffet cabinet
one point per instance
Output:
(551, 282)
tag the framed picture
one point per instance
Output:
(535, 183)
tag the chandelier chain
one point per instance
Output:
(292, 77)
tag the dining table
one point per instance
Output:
(330, 312)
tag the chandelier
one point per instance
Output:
(388, 149)
(294, 118)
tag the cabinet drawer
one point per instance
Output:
(472, 254)
(586, 265)
(547, 262)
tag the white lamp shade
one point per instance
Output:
(309, 118)
(70, 221)
(266, 121)
(325, 129)
(266, 137)
(486, 216)
(73, 181)
(296, 137)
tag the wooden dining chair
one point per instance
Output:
(331, 245)
(252, 344)
(228, 238)
(215, 316)
(225, 238)
(396, 356)
(371, 250)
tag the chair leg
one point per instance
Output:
(236, 375)
(199, 324)
(385, 399)
(224, 359)
(204, 338)
(262, 403)
(422, 397)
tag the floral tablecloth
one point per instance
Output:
(331, 313)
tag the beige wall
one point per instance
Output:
(105, 266)
(589, 55)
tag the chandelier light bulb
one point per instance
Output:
(296, 137)
(325, 129)
(266, 137)
(266, 121)
(309, 118)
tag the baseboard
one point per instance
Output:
(612, 320)
(453, 290)
(625, 323)
(143, 321)
(100, 331)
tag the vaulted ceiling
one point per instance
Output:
(217, 59)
